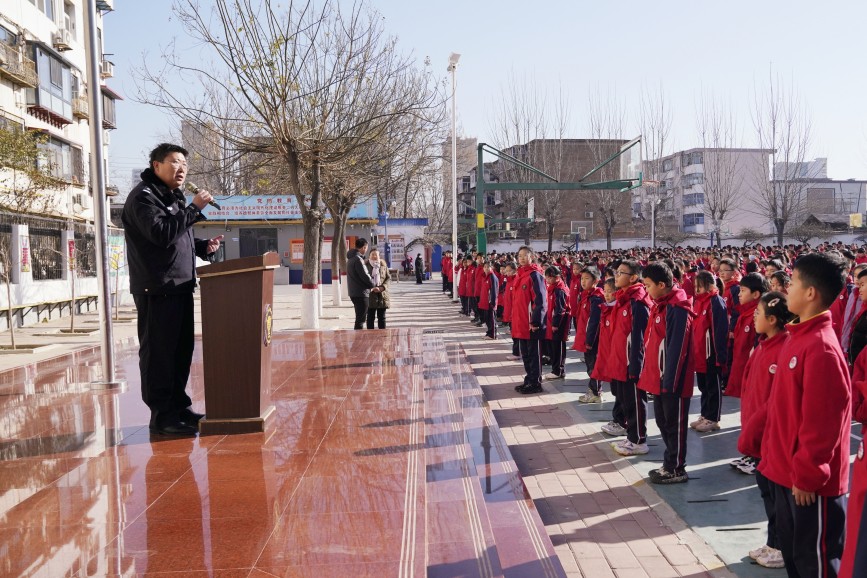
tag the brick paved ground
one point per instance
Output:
(603, 518)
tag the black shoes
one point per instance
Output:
(663, 476)
(528, 389)
(177, 428)
(190, 417)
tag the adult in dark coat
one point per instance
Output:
(419, 268)
(379, 300)
(359, 281)
(161, 252)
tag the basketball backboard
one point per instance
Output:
(630, 160)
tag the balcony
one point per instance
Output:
(111, 191)
(105, 5)
(16, 67)
(80, 107)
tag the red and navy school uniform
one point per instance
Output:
(710, 350)
(626, 357)
(488, 302)
(668, 372)
(689, 283)
(574, 293)
(855, 552)
(448, 276)
(559, 321)
(806, 445)
(731, 295)
(743, 342)
(463, 288)
(478, 288)
(838, 309)
(606, 331)
(472, 297)
(759, 377)
(529, 308)
(502, 287)
(587, 331)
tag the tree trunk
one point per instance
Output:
(337, 266)
(608, 238)
(9, 306)
(72, 303)
(550, 238)
(780, 226)
(313, 220)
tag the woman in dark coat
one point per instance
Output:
(379, 299)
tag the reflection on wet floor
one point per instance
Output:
(380, 459)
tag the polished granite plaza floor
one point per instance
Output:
(379, 462)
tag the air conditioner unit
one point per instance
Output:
(106, 137)
(86, 201)
(106, 69)
(63, 40)
(588, 214)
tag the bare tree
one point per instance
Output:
(309, 85)
(655, 120)
(27, 172)
(782, 126)
(606, 121)
(723, 179)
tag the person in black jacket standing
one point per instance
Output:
(359, 282)
(419, 269)
(161, 251)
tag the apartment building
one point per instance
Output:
(686, 185)
(43, 88)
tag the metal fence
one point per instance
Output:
(85, 251)
(45, 254)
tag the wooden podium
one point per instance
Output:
(237, 302)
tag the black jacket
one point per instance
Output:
(357, 277)
(161, 249)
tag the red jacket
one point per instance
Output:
(668, 364)
(745, 340)
(731, 290)
(478, 282)
(606, 330)
(574, 292)
(806, 440)
(689, 284)
(629, 320)
(710, 331)
(759, 377)
(466, 281)
(858, 487)
(508, 283)
(838, 310)
(529, 303)
(559, 314)
(448, 271)
(490, 291)
(587, 319)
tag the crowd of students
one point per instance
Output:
(782, 328)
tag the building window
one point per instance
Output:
(667, 164)
(692, 219)
(54, 94)
(57, 156)
(691, 199)
(108, 119)
(695, 158)
(693, 179)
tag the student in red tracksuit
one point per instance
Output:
(448, 274)
(558, 322)
(838, 309)
(587, 329)
(574, 292)
(463, 286)
(488, 300)
(854, 562)
(600, 372)
(529, 315)
(751, 288)
(509, 270)
(805, 446)
(668, 369)
(772, 315)
(710, 349)
(729, 274)
(478, 288)
(626, 356)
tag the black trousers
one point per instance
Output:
(634, 404)
(767, 494)
(859, 565)
(672, 414)
(618, 416)
(590, 361)
(474, 307)
(490, 322)
(379, 315)
(810, 537)
(711, 393)
(465, 305)
(531, 355)
(516, 347)
(360, 304)
(418, 277)
(165, 336)
(557, 349)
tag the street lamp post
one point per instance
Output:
(387, 245)
(453, 63)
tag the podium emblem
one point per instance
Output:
(267, 323)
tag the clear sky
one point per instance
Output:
(725, 48)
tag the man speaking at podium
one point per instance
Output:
(161, 250)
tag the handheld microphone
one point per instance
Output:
(195, 190)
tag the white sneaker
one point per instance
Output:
(553, 376)
(759, 552)
(514, 357)
(627, 448)
(590, 398)
(773, 559)
(696, 422)
(613, 429)
(707, 425)
(748, 466)
(738, 462)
